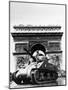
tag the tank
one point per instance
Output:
(36, 72)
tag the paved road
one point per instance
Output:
(60, 81)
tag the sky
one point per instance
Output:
(36, 14)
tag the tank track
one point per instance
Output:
(43, 76)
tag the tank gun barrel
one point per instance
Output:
(34, 59)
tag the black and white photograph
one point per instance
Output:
(36, 45)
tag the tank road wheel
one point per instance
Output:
(54, 75)
(37, 77)
(33, 77)
(48, 76)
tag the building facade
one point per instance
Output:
(35, 38)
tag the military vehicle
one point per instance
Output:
(37, 72)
